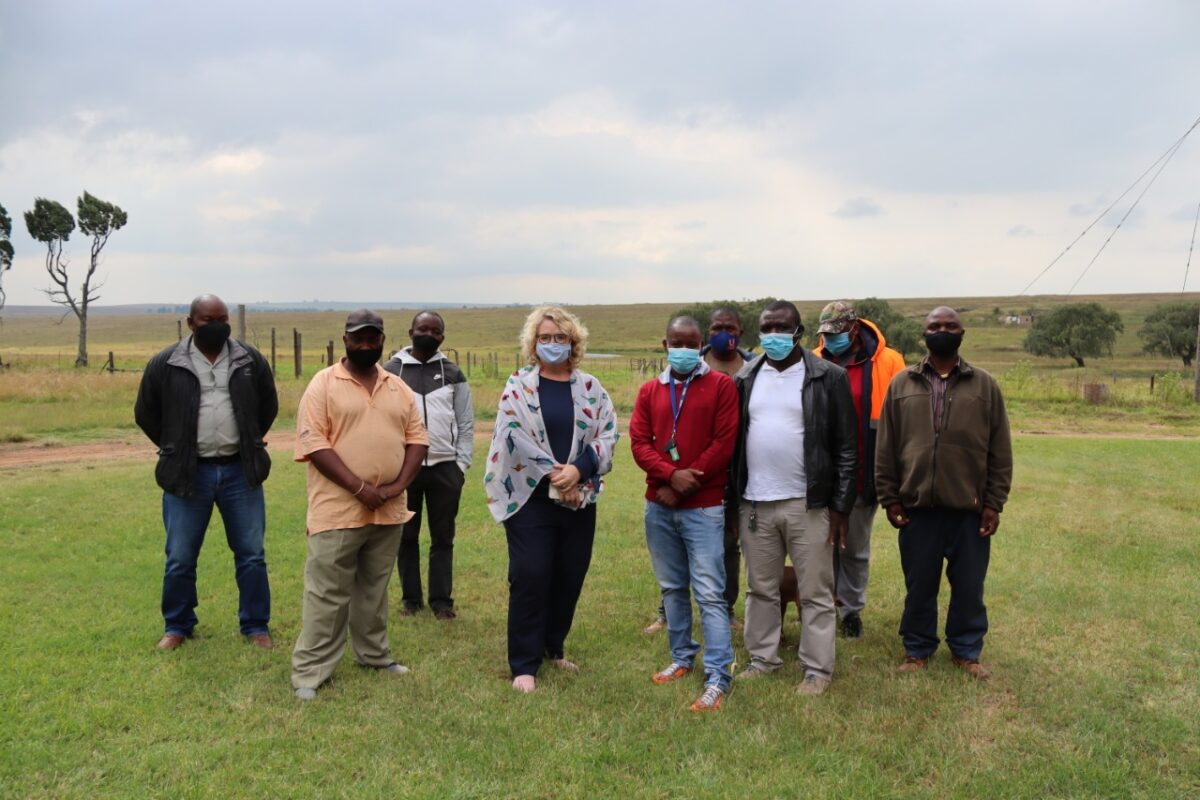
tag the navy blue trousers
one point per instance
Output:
(934, 535)
(549, 551)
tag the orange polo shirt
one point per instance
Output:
(368, 432)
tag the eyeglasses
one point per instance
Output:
(556, 338)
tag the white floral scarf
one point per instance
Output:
(520, 454)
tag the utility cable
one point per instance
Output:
(1170, 151)
(1191, 247)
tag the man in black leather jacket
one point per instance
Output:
(207, 402)
(792, 482)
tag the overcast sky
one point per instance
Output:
(602, 152)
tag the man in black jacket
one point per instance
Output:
(793, 480)
(207, 402)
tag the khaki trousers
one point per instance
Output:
(345, 581)
(785, 528)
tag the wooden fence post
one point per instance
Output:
(241, 322)
(273, 352)
(329, 354)
(296, 354)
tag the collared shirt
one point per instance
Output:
(938, 385)
(730, 367)
(216, 428)
(775, 436)
(369, 432)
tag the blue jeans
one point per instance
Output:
(186, 520)
(687, 547)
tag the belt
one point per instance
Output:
(233, 459)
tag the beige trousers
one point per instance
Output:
(345, 582)
(784, 528)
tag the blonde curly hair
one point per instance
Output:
(566, 321)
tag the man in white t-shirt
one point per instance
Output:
(793, 479)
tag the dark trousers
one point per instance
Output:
(934, 535)
(439, 488)
(549, 550)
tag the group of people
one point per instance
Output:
(782, 456)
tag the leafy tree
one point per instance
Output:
(1077, 330)
(902, 333)
(748, 310)
(50, 223)
(1170, 330)
(6, 251)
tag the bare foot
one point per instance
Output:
(564, 665)
(524, 683)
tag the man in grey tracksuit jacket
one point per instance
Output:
(444, 398)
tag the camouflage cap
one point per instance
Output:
(837, 317)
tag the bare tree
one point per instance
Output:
(50, 223)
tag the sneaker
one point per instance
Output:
(394, 668)
(913, 664)
(659, 623)
(852, 626)
(525, 684)
(564, 665)
(813, 684)
(751, 672)
(972, 667)
(304, 693)
(711, 700)
(671, 673)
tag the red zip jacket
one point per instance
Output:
(708, 428)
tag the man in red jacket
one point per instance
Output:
(683, 431)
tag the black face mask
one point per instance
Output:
(364, 359)
(943, 344)
(424, 343)
(212, 336)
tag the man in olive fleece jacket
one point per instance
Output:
(943, 470)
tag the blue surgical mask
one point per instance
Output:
(778, 346)
(723, 342)
(553, 352)
(837, 343)
(683, 359)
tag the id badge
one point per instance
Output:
(672, 451)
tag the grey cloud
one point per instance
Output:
(1021, 231)
(858, 207)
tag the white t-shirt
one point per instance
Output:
(775, 436)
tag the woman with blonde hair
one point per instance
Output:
(554, 437)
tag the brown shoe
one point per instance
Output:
(410, 611)
(170, 641)
(262, 640)
(913, 664)
(973, 668)
(445, 613)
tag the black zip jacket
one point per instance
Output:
(168, 409)
(830, 436)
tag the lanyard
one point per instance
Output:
(676, 410)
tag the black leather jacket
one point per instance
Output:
(168, 408)
(830, 436)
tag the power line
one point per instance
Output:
(1191, 247)
(1167, 154)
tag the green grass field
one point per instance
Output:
(1093, 595)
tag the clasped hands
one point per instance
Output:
(565, 480)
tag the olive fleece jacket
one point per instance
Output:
(968, 465)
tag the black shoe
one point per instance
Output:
(852, 626)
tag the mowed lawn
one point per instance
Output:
(1093, 595)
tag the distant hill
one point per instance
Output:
(306, 305)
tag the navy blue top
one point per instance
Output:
(558, 412)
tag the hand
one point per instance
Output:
(666, 496)
(839, 523)
(571, 496)
(686, 481)
(564, 477)
(989, 522)
(897, 516)
(370, 496)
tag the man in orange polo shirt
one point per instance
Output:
(360, 431)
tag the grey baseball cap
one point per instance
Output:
(363, 318)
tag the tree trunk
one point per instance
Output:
(1078, 361)
(81, 360)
